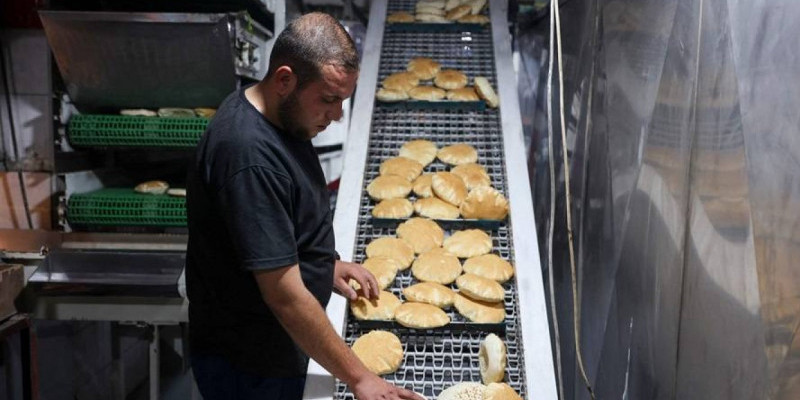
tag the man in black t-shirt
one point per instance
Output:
(260, 263)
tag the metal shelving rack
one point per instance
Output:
(437, 359)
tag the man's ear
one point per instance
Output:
(285, 80)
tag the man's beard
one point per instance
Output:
(288, 111)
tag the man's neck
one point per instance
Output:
(264, 100)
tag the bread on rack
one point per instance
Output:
(427, 93)
(476, 5)
(388, 187)
(464, 94)
(403, 167)
(394, 248)
(152, 187)
(435, 208)
(478, 311)
(400, 16)
(431, 293)
(468, 243)
(486, 92)
(458, 154)
(431, 18)
(402, 81)
(449, 187)
(384, 270)
(421, 234)
(420, 316)
(484, 202)
(473, 175)
(489, 266)
(480, 288)
(474, 19)
(422, 186)
(391, 95)
(501, 391)
(380, 309)
(450, 79)
(424, 68)
(421, 150)
(463, 391)
(436, 265)
(393, 208)
(492, 359)
(380, 351)
(458, 12)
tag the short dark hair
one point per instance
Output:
(310, 42)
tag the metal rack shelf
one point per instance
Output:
(134, 131)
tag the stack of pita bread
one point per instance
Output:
(443, 11)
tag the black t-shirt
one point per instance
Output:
(256, 200)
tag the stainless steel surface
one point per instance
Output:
(686, 183)
(134, 60)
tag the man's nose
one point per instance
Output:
(336, 114)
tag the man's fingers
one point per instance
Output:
(374, 288)
(409, 395)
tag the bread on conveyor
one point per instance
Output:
(489, 266)
(450, 79)
(463, 391)
(421, 234)
(384, 270)
(478, 311)
(138, 112)
(391, 95)
(400, 16)
(432, 3)
(424, 151)
(501, 391)
(388, 187)
(422, 186)
(402, 81)
(484, 203)
(426, 93)
(435, 208)
(492, 359)
(177, 192)
(463, 94)
(486, 92)
(424, 68)
(380, 351)
(152, 187)
(468, 243)
(421, 8)
(394, 248)
(438, 266)
(420, 316)
(449, 187)
(393, 208)
(458, 12)
(205, 112)
(451, 4)
(480, 288)
(403, 167)
(173, 112)
(473, 175)
(458, 154)
(474, 19)
(431, 293)
(380, 309)
(477, 5)
(431, 18)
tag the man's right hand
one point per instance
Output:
(375, 388)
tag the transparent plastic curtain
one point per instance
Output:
(682, 130)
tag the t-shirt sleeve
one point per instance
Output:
(256, 205)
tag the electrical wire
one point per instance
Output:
(555, 11)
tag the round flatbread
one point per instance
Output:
(468, 243)
(458, 12)
(391, 95)
(394, 248)
(450, 79)
(420, 316)
(426, 93)
(205, 112)
(500, 391)
(177, 192)
(400, 16)
(421, 8)
(435, 208)
(423, 151)
(489, 266)
(152, 187)
(486, 92)
(431, 18)
(464, 94)
(389, 187)
(393, 208)
(384, 270)
(380, 351)
(492, 359)
(463, 391)
(477, 5)
(458, 154)
(474, 19)
(421, 234)
(424, 68)
(402, 81)
(422, 186)
(478, 311)
(451, 4)
(380, 309)
(436, 266)
(403, 167)
(484, 203)
(449, 187)
(473, 175)
(480, 288)
(431, 293)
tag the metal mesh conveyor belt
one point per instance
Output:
(435, 360)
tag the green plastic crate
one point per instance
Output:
(135, 131)
(125, 207)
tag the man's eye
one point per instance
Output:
(329, 100)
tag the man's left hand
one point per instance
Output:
(345, 271)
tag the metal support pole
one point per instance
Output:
(154, 364)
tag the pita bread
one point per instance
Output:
(384, 270)
(480, 288)
(138, 112)
(421, 316)
(464, 94)
(436, 266)
(486, 92)
(449, 187)
(477, 5)
(492, 359)
(391, 95)
(501, 391)
(451, 4)
(177, 192)
(474, 19)
(450, 79)
(468, 243)
(484, 203)
(426, 93)
(423, 151)
(479, 311)
(489, 266)
(152, 187)
(458, 154)
(175, 112)
(402, 81)
(431, 293)
(422, 8)
(463, 391)
(421, 234)
(472, 174)
(393, 208)
(434, 208)
(406, 168)
(431, 18)
(400, 16)
(205, 112)
(389, 187)
(380, 309)
(424, 68)
(380, 351)
(422, 186)
(394, 248)
(458, 12)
